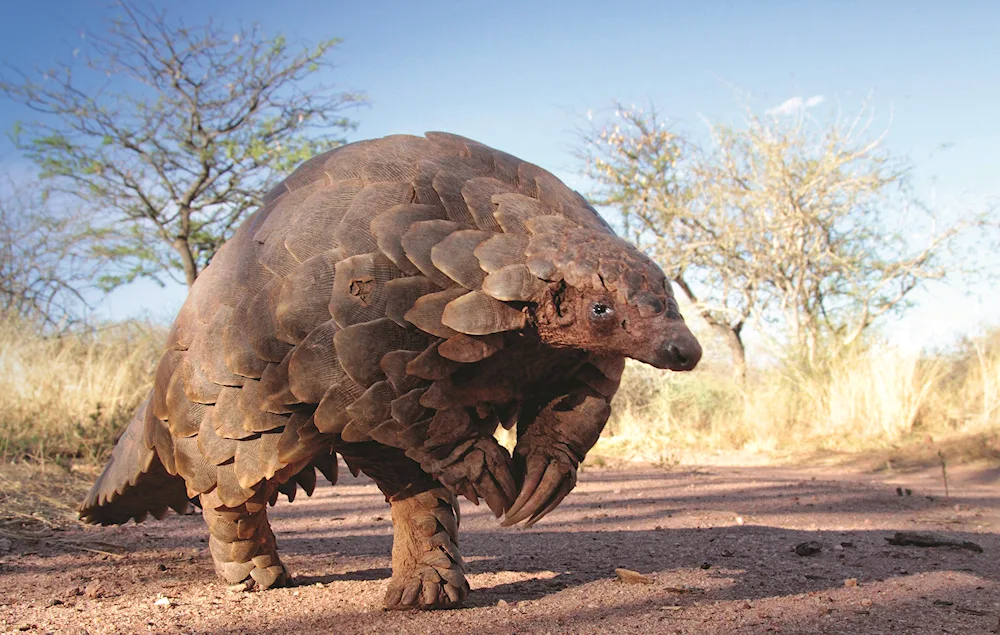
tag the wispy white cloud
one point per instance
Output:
(795, 105)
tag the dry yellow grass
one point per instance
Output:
(877, 398)
(66, 397)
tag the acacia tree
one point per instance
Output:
(804, 225)
(170, 133)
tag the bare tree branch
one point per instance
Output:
(45, 264)
(803, 225)
(169, 133)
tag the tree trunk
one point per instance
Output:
(736, 349)
(183, 249)
(731, 334)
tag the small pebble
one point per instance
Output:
(162, 602)
(866, 602)
(810, 548)
(501, 603)
(851, 582)
(95, 590)
(633, 577)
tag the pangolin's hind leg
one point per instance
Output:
(427, 569)
(242, 543)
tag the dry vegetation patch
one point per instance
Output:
(875, 399)
(64, 399)
(67, 396)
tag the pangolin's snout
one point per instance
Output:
(679, 351)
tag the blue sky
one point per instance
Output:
(519, 76)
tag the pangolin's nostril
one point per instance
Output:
(675, 353)
(681, 353)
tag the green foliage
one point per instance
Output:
(191, 125)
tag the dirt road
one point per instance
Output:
(717, 544)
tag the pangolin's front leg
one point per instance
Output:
(242, 543)
(550, 448)
(427, 569)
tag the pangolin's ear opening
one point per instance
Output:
(557, 291)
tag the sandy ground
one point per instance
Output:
(716, 543)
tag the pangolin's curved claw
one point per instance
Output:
(533, 472)
(564, 489)
(556, 481)
(490, 492)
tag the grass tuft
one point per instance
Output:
(67, 397)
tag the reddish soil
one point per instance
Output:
(717, 544)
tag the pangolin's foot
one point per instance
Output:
(243, 546)
(427, 569)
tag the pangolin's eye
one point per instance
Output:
(601, 310)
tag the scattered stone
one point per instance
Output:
(739, 520)
(55, 602)
(851, 582)
(95, 590)
(916, 539)
(502, 604)
(943, 603)
(706, 565)
(632, 577)
(810, 548)
(161, 567)
(672, 607)
(162, 602)
(866, 602)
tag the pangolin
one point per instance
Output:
(393, 302)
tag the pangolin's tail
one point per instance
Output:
(134, 482)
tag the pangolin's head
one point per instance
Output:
(604, 295)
